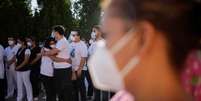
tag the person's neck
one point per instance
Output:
(33, 46)
(23, 47)
(157, 80)
(11, 46)
(60, 37)
(77, 41)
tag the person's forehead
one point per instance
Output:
(74, 32)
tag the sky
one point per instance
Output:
(34, 4)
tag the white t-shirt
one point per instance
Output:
(46, 67)
(1, 62)
(92, 48)
(28, 52)
(10, 53)
(78, 51)
(64, 47)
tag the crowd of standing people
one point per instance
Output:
(59, 66)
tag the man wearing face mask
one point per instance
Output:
(78, 56)
(62, 70)
(35, 66)
(10, 59)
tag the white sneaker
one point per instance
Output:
(44, 97)
(8, 97)
(36, 99)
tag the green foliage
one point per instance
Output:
(89, 15)
(17, 19)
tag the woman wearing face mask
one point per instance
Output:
(147, 44)
(96, 35)
(46, 70)
(23, 71)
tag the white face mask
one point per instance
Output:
(72, 38)
(93, 35)
(19, 45)
(52, 35)
(52, 46)
(10, 42)
(103, 68)
(91, 41)
(29, 44)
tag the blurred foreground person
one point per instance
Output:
(147, 44)
(2, 85)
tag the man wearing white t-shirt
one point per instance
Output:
(62, 69)
(78, 54)
(2, 87)
(10, 59)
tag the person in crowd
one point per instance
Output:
(78, 55)
(97, 36)
(23, 71)
(35, 61)
(147, 45)
(10, 58)
(47, 71)
(2, 85)
(62, 70)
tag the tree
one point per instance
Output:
(54, 12)
(15, 18)
(88, 13)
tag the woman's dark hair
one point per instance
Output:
(179, 20)
(59, 28)
(22, 39)
(34, 39)
(47, 42)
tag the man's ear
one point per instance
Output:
(147, 33)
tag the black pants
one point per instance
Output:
(35, 81)
(63, 84)
(2, 90)
(101, 95)
(49, 85)
(90, 90)
(79, 86)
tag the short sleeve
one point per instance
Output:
(27, 52)
(1, 53)
(84, 52)
(60, 45)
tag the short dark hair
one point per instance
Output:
(78, 32)
(47, 42)
(22, 39)
(59, 28)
